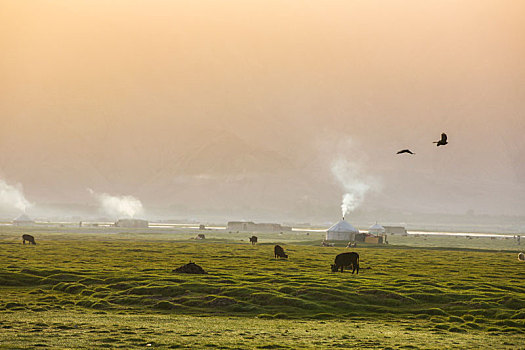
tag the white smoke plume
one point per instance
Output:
(355, 183)
(13, 196)
(118, 206)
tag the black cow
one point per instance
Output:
(28, 238)
(279, 252)
(346, 259)
(253, 239)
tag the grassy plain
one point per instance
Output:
(117, 290)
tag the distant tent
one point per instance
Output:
(342, 231)
(23, 220)
(376, 229)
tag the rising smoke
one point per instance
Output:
(354, 182)
(13, 197)
(118, 206)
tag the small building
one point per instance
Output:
(132, 223)
(23, 220)
(395, 230)
(342, 231)
(249, 226)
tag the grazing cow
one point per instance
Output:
(253, 239)
(28, 238)
(279, 252)
(346, 259)
(521, 257)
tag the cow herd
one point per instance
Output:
(350, 259)
(341, 261)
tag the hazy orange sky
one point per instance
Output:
(241, 107)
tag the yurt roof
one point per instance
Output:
(376, 226)
(23, 217)
(342, 226)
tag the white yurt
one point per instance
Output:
(342, 231)
(376, 230)
(23, 220)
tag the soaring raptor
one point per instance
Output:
(443, 140)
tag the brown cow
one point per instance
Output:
(253, 239)
(279, 252)
(346, 259)
(28, 238)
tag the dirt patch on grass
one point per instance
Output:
(190, 268)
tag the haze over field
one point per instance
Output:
(240, 109)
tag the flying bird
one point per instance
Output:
(405, 151)
(443, 140)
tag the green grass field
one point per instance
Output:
(96, 289)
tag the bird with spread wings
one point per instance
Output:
(405, 151)
(443, 140)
